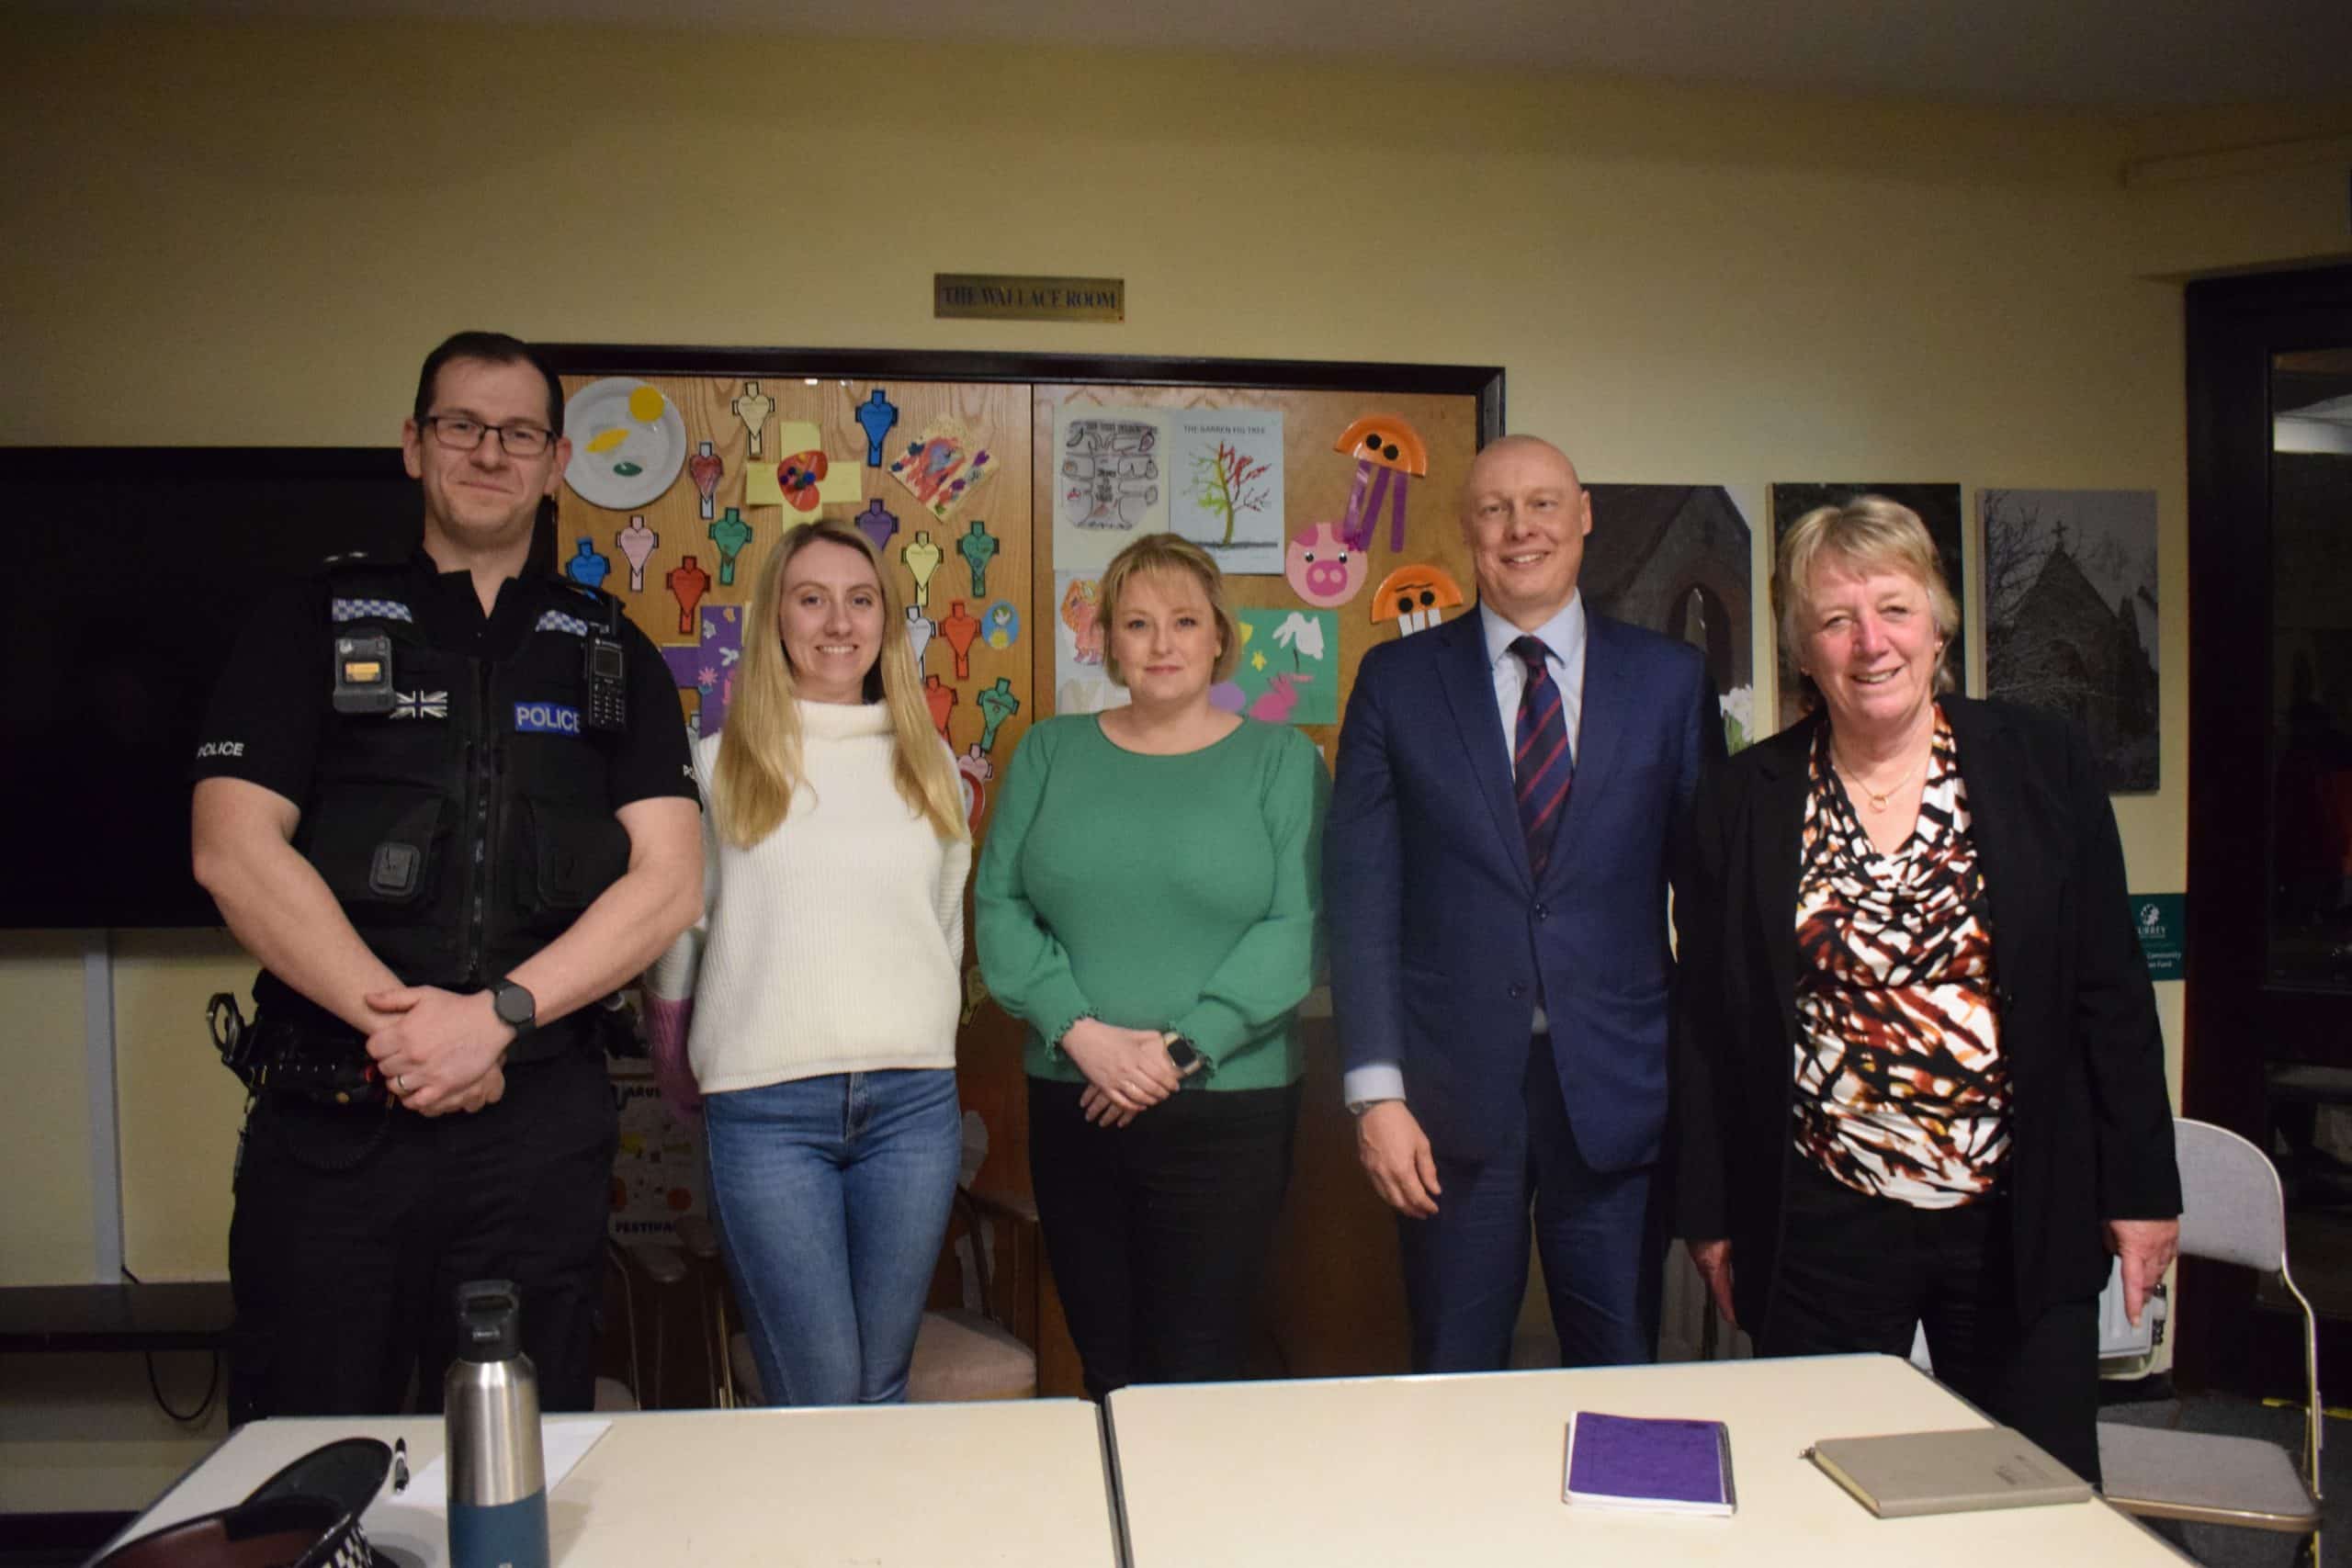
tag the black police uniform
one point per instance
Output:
(462, 831)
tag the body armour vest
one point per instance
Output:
(468, 825)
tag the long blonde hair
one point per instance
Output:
(759, 750)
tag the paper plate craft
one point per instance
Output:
(628, 443)
(877, 525)
(943, 466)
(1000, 624)
(753, 408)
(977, 547)
(704, 468)
(997, 703)
(637, 543)
(876, 417)
(1388, 453)
(941, 699)
(1415, 597)
(1322, 569)
(922, 559)
(961, 629)
(586, 567)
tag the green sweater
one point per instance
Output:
(1154, 892)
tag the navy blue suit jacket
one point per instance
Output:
(1440, 933)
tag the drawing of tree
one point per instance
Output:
(1226, 482)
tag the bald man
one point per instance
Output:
(1511, 809)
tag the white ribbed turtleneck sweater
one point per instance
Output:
(836, 943)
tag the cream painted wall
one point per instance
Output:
(232, 235)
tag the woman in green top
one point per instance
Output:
(1147, 902)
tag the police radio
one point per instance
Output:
(603, 671)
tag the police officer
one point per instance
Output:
(447, 804)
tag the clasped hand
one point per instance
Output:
(438, 1051)
(1127, 1071)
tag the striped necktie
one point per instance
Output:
(1542, 769)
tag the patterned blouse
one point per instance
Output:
(1901, 1091)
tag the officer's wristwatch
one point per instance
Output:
(514, 1007)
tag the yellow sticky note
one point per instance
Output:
(760, 488)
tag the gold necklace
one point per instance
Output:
(1878, 797)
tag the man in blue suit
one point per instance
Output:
(1510, 807)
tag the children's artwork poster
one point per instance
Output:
(708, 665)
(1079, 684)
(1676, 559)
(1225, 469)
(942, 466)
(1938, 508)
(1110, 481)
(658, 1169)
(1289, 671)
(2070, 616)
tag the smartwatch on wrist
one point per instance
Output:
(1186, 1056)
(515, 1006)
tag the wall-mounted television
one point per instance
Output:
(127, 572)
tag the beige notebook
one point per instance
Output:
(1947, 1472)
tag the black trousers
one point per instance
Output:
(1863, 1273)
(1158, 1233)
(354, 1229)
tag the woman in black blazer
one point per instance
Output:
(1921, 1080)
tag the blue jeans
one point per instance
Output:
(830, 1196)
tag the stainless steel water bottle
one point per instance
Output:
(498, 1492)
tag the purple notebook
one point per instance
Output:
(1656, 1465)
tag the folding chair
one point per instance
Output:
(2234, 1212)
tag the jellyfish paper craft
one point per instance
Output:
(878, 523)
(922, 559)
(731, 534)
(997, 704)
(977, 547)
(638, 543)
(876, 417)
(1388, 454)
(961, 629)
(586, 567)
(704, 467)
(687, 583)
(753, 408)
(941, 699)
(1415, 597)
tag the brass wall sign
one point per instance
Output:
(1007, 297)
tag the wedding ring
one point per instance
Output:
(401, 1083)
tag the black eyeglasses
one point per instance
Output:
(460, 433)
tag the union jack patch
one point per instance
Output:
(420, 704)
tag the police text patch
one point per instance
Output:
(545, 718)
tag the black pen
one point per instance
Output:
(399, 1465)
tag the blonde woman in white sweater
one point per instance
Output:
(813, 1009)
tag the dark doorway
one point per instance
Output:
(2270, 993)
